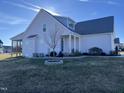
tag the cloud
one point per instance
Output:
(112, 3)
(107, 2)
(22, 6)
(12, 20)
(52, 10)
(84, 0)
(33, 7)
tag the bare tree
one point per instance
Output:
(52, 38)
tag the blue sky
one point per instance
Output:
(16, 15)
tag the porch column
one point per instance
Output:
(16, 48)
(11, 48)
(20, 48)
(75, 44)
(79, 44)
(70, 44)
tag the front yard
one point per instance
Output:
(4, 56)
(79, 75)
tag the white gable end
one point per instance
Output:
(36, 27)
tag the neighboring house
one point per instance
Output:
(1, 46)
(79, 36)
(5, 49)
(117, 42)
(122, 45)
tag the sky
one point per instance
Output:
(16, 15)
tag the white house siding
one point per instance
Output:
(66, 44)
(29, 46)
(103, 41)
(112, 40)
(36, 27)
(38, 45)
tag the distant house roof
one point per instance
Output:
(18, 37)
(96, 26)
(7, 47)
(1, 42)
(117, 41)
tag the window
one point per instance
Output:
(44, 27)
(71, 25)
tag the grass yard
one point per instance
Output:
(82, 75)
(4, 56)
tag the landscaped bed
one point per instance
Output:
(79, 75)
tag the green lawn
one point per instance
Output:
(82, 75)
(4, 56)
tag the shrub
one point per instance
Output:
(103, 54)
(47, 55)
(112, 53)
(95, 51)
(66, 54)
(38, 55)
(53, 54)
(35, 55)
(60, 54)
(41, 55)
(72, 51)
(77, 53)
(116, 50)
(122, 49)
(85, 53)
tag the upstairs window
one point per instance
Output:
(71, 25)
(44, 27)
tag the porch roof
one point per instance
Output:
(18, 37)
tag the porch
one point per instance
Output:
(16, 47)
(70, 43)
(16, 43)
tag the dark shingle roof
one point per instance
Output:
(1, 42)
(116, 40)
(102, 25)
(62, 19)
